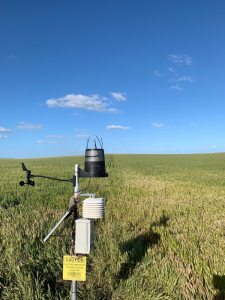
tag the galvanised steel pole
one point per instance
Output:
(76, 191)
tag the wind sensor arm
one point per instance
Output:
(33, 183)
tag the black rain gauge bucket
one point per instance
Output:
(95, 161)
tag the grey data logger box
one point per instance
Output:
(84, 240)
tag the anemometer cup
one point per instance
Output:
(30, 182)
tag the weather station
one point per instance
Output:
(82, 236)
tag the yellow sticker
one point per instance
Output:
(74, 269)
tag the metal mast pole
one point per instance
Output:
(76, 191)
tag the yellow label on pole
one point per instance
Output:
(74, 269)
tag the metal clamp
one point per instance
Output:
(93, 195)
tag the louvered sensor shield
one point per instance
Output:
(93, 208)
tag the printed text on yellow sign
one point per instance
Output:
(74, 269)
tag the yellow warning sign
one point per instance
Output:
(74, 269)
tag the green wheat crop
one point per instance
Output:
(162, 236)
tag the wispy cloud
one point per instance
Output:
(117, 127)
(94, 102)
(176, 87)
(171, 70)
(157, 125)
(186, 78)
(115, 111)
(83, 130)
(3, 137)
(51, 142)
(176, 58)
(119, 96)
(70, 150)
(210, 147)
(81, 136)
(57, 136)
(157, 73)
(6, 130)
(11, 57)
(191, 123)
(29, 126)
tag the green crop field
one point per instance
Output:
(162, 236)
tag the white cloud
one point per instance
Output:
(57, 136)
(28, 126)
(171, 70)
(180, 59)
(117, 127)
(3, 137)
(11, 57)
(192, 123)
(119, 96)
(70, 150)
(115, 111)
(175, 57)
(211, 147)
(186, 78)
(81, 136)
(93, 102)
(157, 73)
(176, 87)
(51, 142)
(75, 114)
(157, 125)
(5, 130)
(84, 130)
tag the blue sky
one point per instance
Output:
(145, 76)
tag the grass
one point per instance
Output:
(162, 236)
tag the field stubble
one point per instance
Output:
(162, 236)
